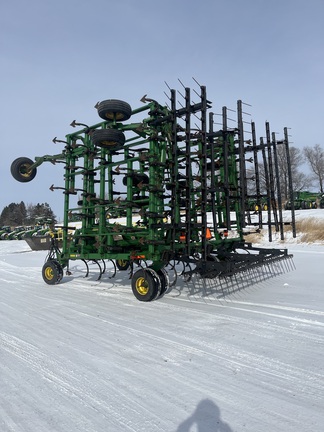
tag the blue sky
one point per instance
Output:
(58, 58)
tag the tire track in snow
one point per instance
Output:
(66, 381)
(230, 357)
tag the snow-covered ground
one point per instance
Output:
(85, 355)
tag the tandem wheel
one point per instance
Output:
(148, 284)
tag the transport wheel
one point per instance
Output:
(157, 281)
(109, 138)
(164, 280)
(138, 178)
(122, 264)
(52, 272)
(20, 170)
(113, 109)
(145, 285)
(265, 207)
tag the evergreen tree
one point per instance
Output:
(18, 214)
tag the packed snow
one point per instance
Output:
(85, 355)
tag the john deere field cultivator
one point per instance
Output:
(162, 190)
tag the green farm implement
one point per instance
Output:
(157, 187)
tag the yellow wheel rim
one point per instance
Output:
(115, 116)
(121, 262)
(108, 143)
(24, 170)
(49, 273)
(142, 286)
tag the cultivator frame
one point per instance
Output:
(173, 192)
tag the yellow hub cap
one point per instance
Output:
(49, 273)
(142, 286)
(24, 170)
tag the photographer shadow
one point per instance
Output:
(206, 417)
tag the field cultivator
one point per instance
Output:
(162, 189)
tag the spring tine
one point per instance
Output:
(87, 267)
(115, 269)
(100, 270)
(131, 269)
(104, 266)
(188, 275)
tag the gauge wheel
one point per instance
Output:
(52, 272)
(146, 285)
(113, 139)
(20, 170)
(164, 280)
(115, 110)
(122, 264)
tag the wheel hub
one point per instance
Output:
(49, 273)
(142, 286)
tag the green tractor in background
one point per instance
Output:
(305, 200)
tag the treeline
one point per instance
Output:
(21, 214)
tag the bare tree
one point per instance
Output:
(300, 180)
(315, 159)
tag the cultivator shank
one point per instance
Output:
(157, 185)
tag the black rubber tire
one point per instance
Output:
(122, 264)
(113, 109)
(164, 280)
(157, 281)
(20, 170)
(145, 286)
(52, 272)
(137, 179)
(112, 139)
